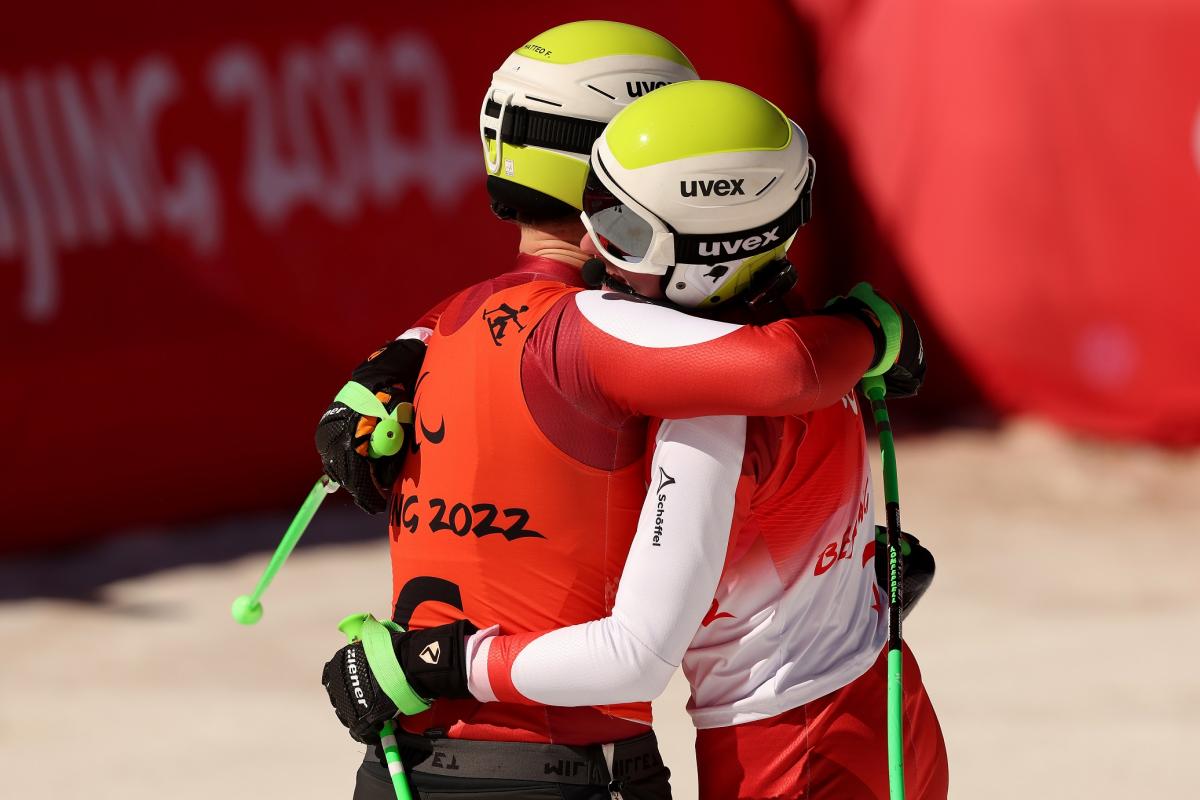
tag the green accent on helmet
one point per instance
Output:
(587, 39)
(559, 175)
(744, 273)
(695, 118)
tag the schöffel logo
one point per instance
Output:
(664, 480)
(745, 246)
(721, 188)
(639, 88)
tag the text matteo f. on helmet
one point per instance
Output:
(704, 183)
(550, 100)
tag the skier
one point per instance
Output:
(754, 557)
(520, 510)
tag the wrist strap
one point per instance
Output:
(856, 308)
(889, 320)
(376, 638)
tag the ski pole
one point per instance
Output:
(391, 753)
(386, 440)
(376, 638)
(875, 390)
(247, 609)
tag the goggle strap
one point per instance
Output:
(719, 247)
(525, 127)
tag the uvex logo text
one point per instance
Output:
(747, 245)
(721, 188)
(639, 88)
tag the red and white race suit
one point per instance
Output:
(518, 506)
(752, 566)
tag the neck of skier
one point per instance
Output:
(558, 241)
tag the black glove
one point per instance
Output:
(917, 568)
(357, 700)
(906, 373)
(343, 434)
(433, 661)
(905, 377)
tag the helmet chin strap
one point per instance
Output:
(770, 284)
(595, 274)
(666, 282)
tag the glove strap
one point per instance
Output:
(889, 320)
(376, 638)
(361, 399)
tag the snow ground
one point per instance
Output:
(1059, 641)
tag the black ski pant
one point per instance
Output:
(457, 769)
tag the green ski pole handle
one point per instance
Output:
(388, 436)
(875, 390)
(386, 440)
(376, 638)
(247, 609)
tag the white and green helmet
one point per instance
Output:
(553, 96)
(704, 183)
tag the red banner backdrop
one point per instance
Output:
(210, 212)
(1035, 170)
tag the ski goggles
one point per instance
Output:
(632, 237)
(523, 127)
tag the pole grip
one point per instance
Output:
(352, 626)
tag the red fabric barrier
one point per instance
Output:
(1033, 167)
(210, 212)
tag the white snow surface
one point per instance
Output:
(1058, 641)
